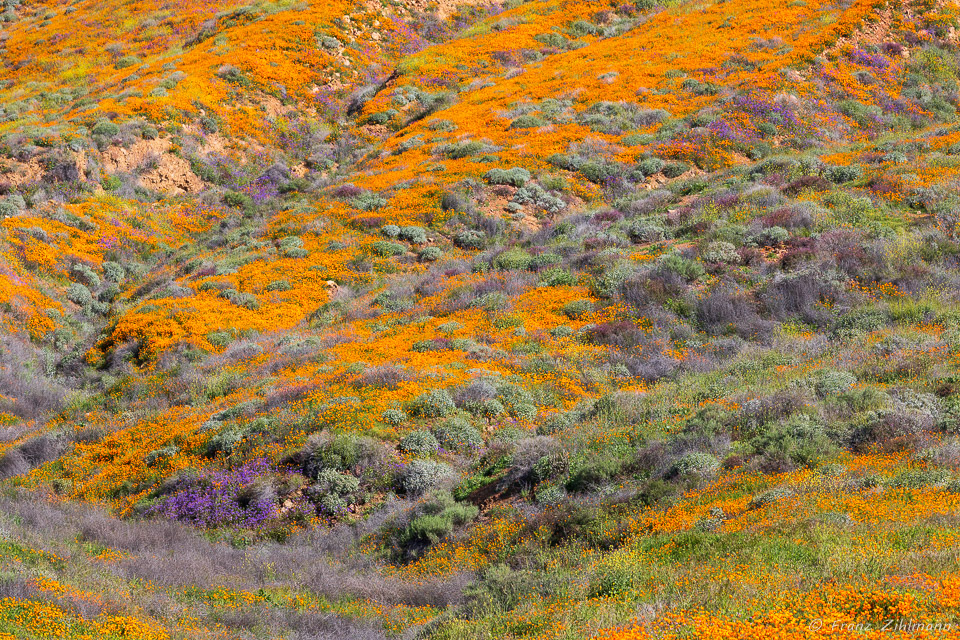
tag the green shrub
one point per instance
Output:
(769, 497)
(595, 471)
(419, 476)
(864, 399)
(599, 171)
(513, 260)
(339, 452)
(290, 246)
(333, 491)
(488, 408)
(550, 467)
(517, 401)
(382, 117)
(840, 175)
(612, 279)
(433, 404)
(289, 242)
(157, 456)
(615, 577)
(79, 294)
(585, 28)
(470, 239)
(87, 275)
(769, 237)
(720, 252)
(414, 235)
(297, 185)
(428, 529)
(278, 285)
(128, 61)
(419, 443)
(394, 417)
(557, 278)
(446, 126)
(675, 169)
(567, 162)
(438, 518)
(233, 75)
(861, 320)
(493, 301)
(237, 200)
(549, 494)
(392, 302)
(465, 149)
(830, 384)
(552, 39)
(430, 254)
(110, 293)
(700, 88)
(689, 270)
(368, 202)
(219, 339)
(225, 442)
(650, 166)
(105, 128)
(457, 434)
(516, 177)
(386, 249)
(535, 195)
(114, 272)
(111, 183)
(697, 463)
(328, 42)
(798, 440)
(576, 309)
(767, 129)
(247, 300)
(391, 231)
(647, 231)
(527, 122)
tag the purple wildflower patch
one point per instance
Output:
(221, 499)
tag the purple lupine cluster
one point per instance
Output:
(108, 243)
(875, 60)
(226, 168)
(66, 191)
(780, 114)
(221, 499)
(329, 105)
(262, 190)
(296, 138)
(724, 130)
(407, 40)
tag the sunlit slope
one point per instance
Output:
(546, 319)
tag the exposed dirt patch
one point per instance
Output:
(215, 143)
(879, 31)
(494, 201)
(444, 8)
(173, 176)
(20, 173)
(299, 170)
(170, 174)
(128, 159)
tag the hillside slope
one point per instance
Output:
(544, 319)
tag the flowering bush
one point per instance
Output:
(221, 499)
